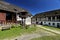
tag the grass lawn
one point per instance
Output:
(13, 32)
(53, 28)
(55, 37)
(17, 31)
(48, 38)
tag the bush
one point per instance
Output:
(27, 26)
(34, 25)
(15, 26)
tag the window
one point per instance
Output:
(56, 13)
(58, 25)
(49, 23)
(44, 22)
(58, 17)
(53, 17)
(53, 23)
(23, 13)
(49, 18)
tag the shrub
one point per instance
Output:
(15, 26)
(27, 26)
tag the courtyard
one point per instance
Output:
(50, 29)
(32, 33)
(29, 20)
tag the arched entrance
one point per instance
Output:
(36, 22)
(58, 25)
(41, 23)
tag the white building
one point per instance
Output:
(27, 19)
(50, 18)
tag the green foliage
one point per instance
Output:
(27, 26)
(53, 28)
(15, 26)
(33, 25)
(15, 31)
(48, 38)
(55, 37)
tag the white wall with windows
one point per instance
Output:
(49, 23)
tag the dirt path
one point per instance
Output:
(57, 32)
(30, 36)
(33, 35)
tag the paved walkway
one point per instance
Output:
(48, 29)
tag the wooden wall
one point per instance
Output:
(2, 17)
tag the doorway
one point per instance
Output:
(11, 17)
(36, 22)
(8, 17)
(41, 23)
(58, 25)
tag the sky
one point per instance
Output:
(36, 6)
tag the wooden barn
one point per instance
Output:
(11, 13)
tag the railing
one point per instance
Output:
(6, 23)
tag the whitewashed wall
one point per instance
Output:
(33, 21)
(27, 20)
(51, 23)
(18, 18)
